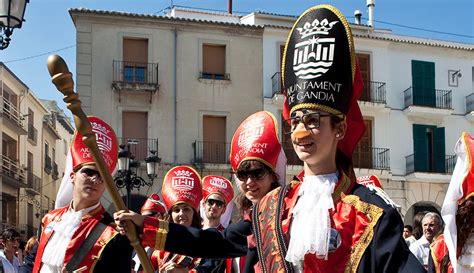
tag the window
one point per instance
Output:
(423, 83)
(364, 67)
(429, 148)
(214, 147)
(362, 156)
(47, 159)
(214, 62)
(9, 209)
(31, 116)
(46, 149)
(30, 163)
(135, 59)
(135, 133)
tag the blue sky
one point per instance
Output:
(49, 29)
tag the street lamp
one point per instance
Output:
(11, 17)
(129, 179)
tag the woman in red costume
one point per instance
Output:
(453, 251)
(181, 193)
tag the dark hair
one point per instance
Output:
(417, 227)
(242, 202)
(410, 228)
(464, 228)
(10, 234)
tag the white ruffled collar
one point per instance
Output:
(310, 229)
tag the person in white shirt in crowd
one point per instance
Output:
(431, 225)
(11, 241)
(408, 235)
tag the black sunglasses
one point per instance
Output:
(256, 174)
(309, 120)
(94, 174)
(218, 203)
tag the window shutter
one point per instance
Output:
(213, 60)
(423, 83)
(364, 67)
(439, 150)
(420, 148)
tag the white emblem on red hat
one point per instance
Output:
(218, 182)
(183, 180)
(182, 184)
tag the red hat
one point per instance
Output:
(214, 184)
(153, 204)
(106, 140)
(182, 184)
(256, 139)
(319, 70)
(369, 180)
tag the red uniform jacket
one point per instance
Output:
(369, 233)
(85, 227)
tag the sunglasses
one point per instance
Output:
(256, 174)
(91, 173)
(309, 120)
(218, 203)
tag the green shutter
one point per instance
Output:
(423, 83)
(420, 148)
(439, 150)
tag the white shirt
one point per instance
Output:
(421, 249)
(55, 250)
(7, 266)
(410, 240)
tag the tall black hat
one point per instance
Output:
(320, 71)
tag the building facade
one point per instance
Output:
(179, 86)
(415, 102)
(29, 165)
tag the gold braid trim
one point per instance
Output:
(373, 214)
(317, 106)
(161, 235)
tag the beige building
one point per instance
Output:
(30, 144)
(178, 86)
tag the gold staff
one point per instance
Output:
(62, 78)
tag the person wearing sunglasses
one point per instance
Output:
(259, 165)
(217, 192)
(323, 221)
(216, 211)
(81, 235)
(9, 262)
